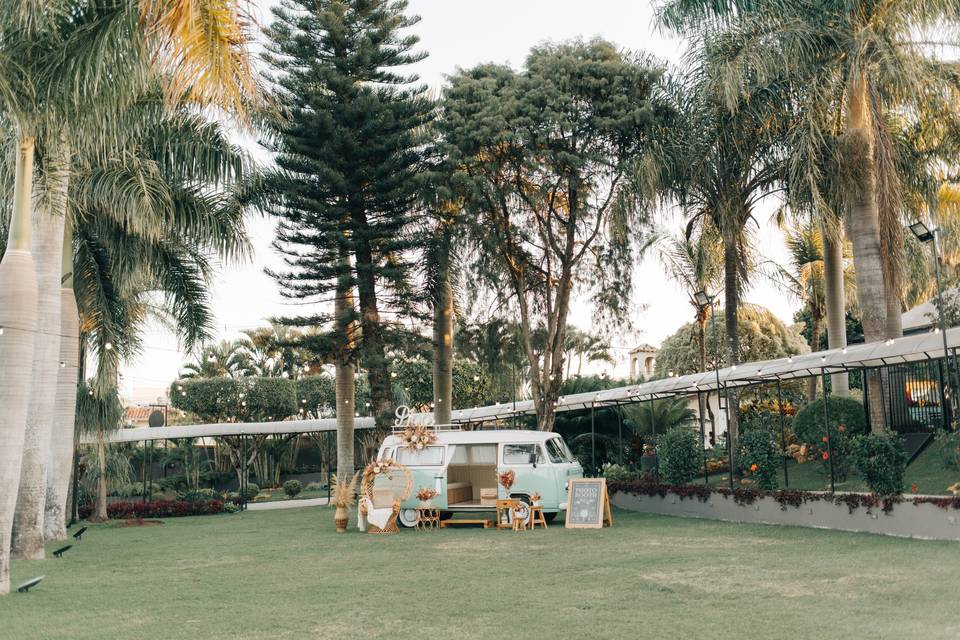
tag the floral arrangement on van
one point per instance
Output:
(418, 437)
(507, 478)
(426, 494)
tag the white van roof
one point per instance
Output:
(491, 436)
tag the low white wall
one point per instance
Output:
(908, 520)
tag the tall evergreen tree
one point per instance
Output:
(349, 156)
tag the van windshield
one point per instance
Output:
(558, 451)
(428, 457)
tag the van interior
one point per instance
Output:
(473, 468)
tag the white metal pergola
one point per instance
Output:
(927, 346)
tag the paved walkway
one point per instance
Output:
(286, 504)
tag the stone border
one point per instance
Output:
(924, 521)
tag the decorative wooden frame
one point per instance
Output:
(604, 517)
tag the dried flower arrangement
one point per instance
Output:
(344, 493)
(377, 467)
(418, 437)
(425, 494)
(535, 497)
(507, 478)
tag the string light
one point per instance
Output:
(306, 368)
(393, 374)
(844, 350)
(1, 331)
(108, 346)
(211, 358)
(476, 378)
(63, 364)
(790, 359)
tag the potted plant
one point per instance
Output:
(535, 499)
(426, 495)
(343, 498)
(648, 461)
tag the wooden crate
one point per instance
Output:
(488, 497)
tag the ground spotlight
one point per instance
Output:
(79, 534)
(59, 552)
(32, 582)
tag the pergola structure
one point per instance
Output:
(927, 346)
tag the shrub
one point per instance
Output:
(809, 427)
(313, 486)
(135, 490)
(292, 488)
(251, 492)
(847, 420)
(948, 446)
(881, 462)
(759, 456)
(679, 455)
(230, 507)
(199, 495)
(616, 472)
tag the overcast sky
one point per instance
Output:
(462, 33)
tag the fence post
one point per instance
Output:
(826, 422)
(703, 436)
(619, 435)
(783, 433)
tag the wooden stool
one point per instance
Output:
(428, 518)
(537, 517)
(519, 523)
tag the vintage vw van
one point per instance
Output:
(462, 466)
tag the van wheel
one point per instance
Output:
(408, 518)
(550, 517)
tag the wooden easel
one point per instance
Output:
(600, 516)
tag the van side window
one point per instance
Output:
(521, 453)
(387, 453)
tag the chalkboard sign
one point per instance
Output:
(588, 505)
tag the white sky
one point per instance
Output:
(462, 33)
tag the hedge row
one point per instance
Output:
(125, 509)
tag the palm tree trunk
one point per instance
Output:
(60, 461)
(443, 355)
(18, 317)
(812, 382)
(345, 383)
(28, 518)
(864, 230)
(731, 263)
(100, 508)
(835, 305)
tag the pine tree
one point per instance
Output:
(349, 160)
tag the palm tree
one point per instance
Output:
(657, 416)
(143, 253)
(726, 158)
(864, 65)
(45, 93)
(98, 412)
(696, 263)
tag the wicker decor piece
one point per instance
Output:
(387, 472)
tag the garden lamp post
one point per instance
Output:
(927, 235)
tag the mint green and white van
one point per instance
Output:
(463, 467)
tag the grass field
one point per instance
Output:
(287, 574)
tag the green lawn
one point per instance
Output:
(287, 574)
(927, 472)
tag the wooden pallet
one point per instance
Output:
(486, 524)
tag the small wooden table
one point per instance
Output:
(486, 524)
(428, 518)
(537, 517)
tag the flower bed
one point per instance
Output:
(930, 517)
(122, 510)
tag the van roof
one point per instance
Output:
(491, 436)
